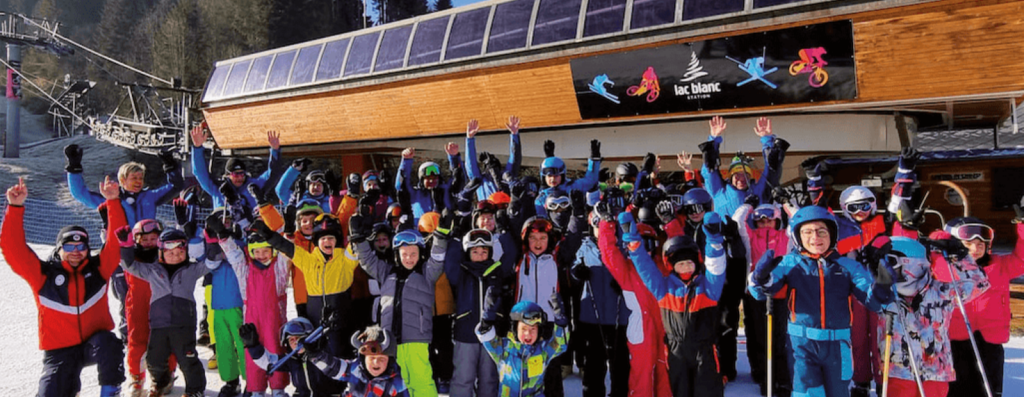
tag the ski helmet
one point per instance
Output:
(541, 225)
(326, 225)
(857, 199)
(408, 238)
(147, 226)
(552, 166)
(911, 266)
(374, 341)
(429, 168)
(768, 211)
(483, 207)
(307, 206)
(813, 213)
(394, 212)
(969, 228)
(697, 200)
(500, 199)
(527, 312)
(740, 163)
(429, 222)
(681, 248)
(170, 238)
(316, 176)
(478, 238)
(627, 172)
(648, 216)
(256, 241)
(368, 176)
(298, 326)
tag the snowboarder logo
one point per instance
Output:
(648, 84)
(755, 68)
(600, 86)
(694, 71)
(59, 280)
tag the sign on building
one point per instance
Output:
(797, 65)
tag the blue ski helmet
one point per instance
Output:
(813, 213)
(552, 166)
(697, 200)
(527, 312)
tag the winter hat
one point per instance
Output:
(740, 163)
(73, 234)
(372, 342)
(368, 176)
(234, 165)
(326, 225)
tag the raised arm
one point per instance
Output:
(712, 178)
(274, 139)
(472, 167)
(403, 178)
(515, 149)
(19, 256)
(110, 255)
(284, 185)
(652, 277)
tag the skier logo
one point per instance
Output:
(811, 63)
(755, 68)
(648, 84)
(600, 86)
(59, 280)
(694, 71)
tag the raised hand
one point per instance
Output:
(16, 194)
(472, 128)
(717, 124)
(595, 149)
(250, 338)
(124, 236)
(685, 161)
(109, 189)
(274, 139)
(198, 134)
(451, 148)
(170, 164)
(909, 157)
(513, 125)
(73, 158)
(408, 153)
(549, 148)
(763, 127)
(301, 164)
(180, 211)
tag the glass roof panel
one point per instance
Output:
(694, 9)
(361, 55)
(258, 73)
(279, 70)
(556, 21)
(215, 86)
(392, 48)
(647, 13)
(510, 25)
(330, 61)
(426, 44)
(467, 36)
(237, 77)
(603, 17)
(302, 72)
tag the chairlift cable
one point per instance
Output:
(33, 84)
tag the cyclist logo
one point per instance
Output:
(811, 63)
(755, 68)
(648, 84)
(600, 87)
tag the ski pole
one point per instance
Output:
(313, 337)
(910, 351)
(967, 322)
(769, 379)
(888, 354)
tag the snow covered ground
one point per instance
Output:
(21, 359)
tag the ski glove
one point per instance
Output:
(763, 270)
(714, 226)
(170, 164)
(257, 193)
(628, 225)
(558, 310)
(711, 160)
(360, 227)
(580, 272)
(778, 153)
(909, 157)
(73, 158)
(490, 315)
(227, 189)
(301, 164)
(752, 200)
(250, 338)
(180, 211)
(289, 219)
(579, 203)
(649, 161)
(215, 227)
(124, 236)
(354, 183)
(666, 211)
(595, 149)
(262, 230)
(549, 148)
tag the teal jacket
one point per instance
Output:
(521, 367)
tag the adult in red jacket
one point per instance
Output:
(70, 290)
(648, 369)
(989, 313)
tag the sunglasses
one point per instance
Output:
(169, 245)
(862, 206)
(971, 231)
(558, 204)
(74, 247)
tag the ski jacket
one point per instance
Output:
(275, 221)
(688, 309)
(284, 190)
(469, 282)
(758, 241)
(537, 277)
(226, 277)
(586, 183)
(727, 198)
(137, 206)
(211, 187)
(360, 384)
(263, 288)
(820, 290)
(521, 367)
(927, 320)
(990, 312)
(411, 297)
(600, 303)
(71, 301)
(296, 367)
(172, 303)
(421, 199)
(491, 186)
(642, 304)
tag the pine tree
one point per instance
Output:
(397, 10)
(441, 5)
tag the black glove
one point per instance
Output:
(549, 148)
(616, 288)
(558, 310)
(490, 315)
(227, 189)
(73, 159)
(883, 278)
(263, 230)
(579, 203)
(354, 183)
(518, 189)
(604, 174)
(753, 200)
(332, 183)
(666, 211)
(124, 235)
(333, 320)
(180, 211)
(257, 193)
(781, 195)
(301, 164)
(910, 219)
(445, 224)
(580, 272)
(464, 198)
(778, 153)
(710, 154)
(250, 338)
(170, 163)
(950, 247)
(360, 227)
(595, 149)
(289, 219)
(649, 161)
(909, 157)
(215, 227)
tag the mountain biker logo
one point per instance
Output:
(648, 84)
(695, 89)
(811, 63)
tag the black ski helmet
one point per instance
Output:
(680, 248)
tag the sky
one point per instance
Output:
(456, 3)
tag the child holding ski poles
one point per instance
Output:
(921, 363)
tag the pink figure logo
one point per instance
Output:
(648, 84)
(811, 63)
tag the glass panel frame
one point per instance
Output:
(466, 38)
(305, 65)
(510, 26)
(391, 54)
(332, 59)
(557, 21)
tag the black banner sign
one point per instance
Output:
(797, 65)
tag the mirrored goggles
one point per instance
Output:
(558, 203)
(971, 231)
(74, 247)
(479, 238)
(532, 317)
(764, 213)
(403, 239)
(860, 206)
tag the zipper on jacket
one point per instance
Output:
(821, 287)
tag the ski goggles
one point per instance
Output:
(297, 328)
(147, 226)
(74, 247)
(316, 176)
(676, 199)
(557, 204)
(971, 231)
(238, 173)
(860, 206)
(532, 317)
(479, 238)
(551, 171)
(407, 238)
(540, 225)
(626, 187)
(696, 209)
(763, 213)
(169, 245)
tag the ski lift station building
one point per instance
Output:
(835, 76)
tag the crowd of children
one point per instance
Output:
(484, 280)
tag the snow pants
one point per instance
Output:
(908, 388)
(119, 284)
(729, 308)
(475, 374)
(62, 368)
(693, 369)
(230, 349)
(414, 359)
(208, 297)
(867, 361)
(181, 342)
(137, 315)
(441, 347)
(822, 361)
(755, 323)
(553, 376)
(268, 326)
(603, 348)
(968, 381)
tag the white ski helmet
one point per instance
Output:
(855, 195)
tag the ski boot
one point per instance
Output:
(212, 362)
(170, 385)
(278, 393)
(135, 387)
(193, 394)
(443, 386)
(861, 389)
(110, 391)
(230, 389)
